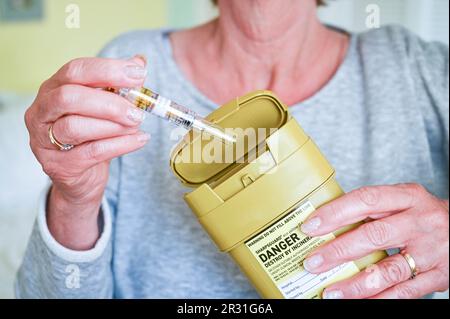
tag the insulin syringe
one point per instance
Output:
(155, 104)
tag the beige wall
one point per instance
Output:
(32, 51)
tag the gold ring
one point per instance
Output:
(412, 264)
(54, 141)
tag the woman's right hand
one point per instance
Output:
(100, 124)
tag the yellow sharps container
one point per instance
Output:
(252, 205)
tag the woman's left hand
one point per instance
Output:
(402, 216)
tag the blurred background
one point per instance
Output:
(38, 36)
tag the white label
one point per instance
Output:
(281, 249)
(161, 107)
(303, 283)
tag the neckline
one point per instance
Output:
(202, 98)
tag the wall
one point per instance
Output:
(427, 18)
(186, 13)
(32, 51)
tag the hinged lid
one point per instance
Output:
(259, 110)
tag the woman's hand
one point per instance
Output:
(402, 216)
(101, 125)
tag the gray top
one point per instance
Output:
(383, 118)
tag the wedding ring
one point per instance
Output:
(54, 141)
(412, 264)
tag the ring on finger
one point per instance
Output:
(54, 141)
(411, 263)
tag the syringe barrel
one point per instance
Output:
(153, 103)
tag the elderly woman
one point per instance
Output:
(113, 222)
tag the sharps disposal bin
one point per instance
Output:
(251, 205)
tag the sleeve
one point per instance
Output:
(427, 72)
(429, 64)
(50, 270)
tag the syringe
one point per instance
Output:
(153, 103)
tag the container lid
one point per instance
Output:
(259, 112)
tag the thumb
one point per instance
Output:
(139, 59)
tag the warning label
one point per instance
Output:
(281, 249)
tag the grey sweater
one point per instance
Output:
(383, 118)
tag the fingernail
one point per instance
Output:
(135, 72)
(333, 294)
(142, 57)
(136, 115)
(313, 262)
(310, 225)
(143, 137)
